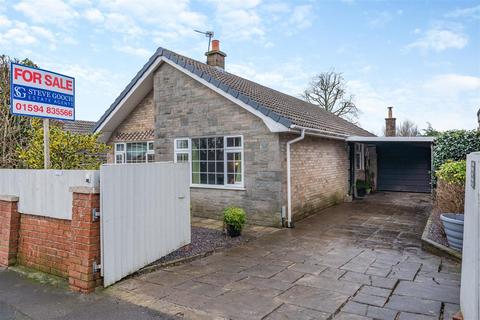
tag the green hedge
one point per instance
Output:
(453, 172)
(454, 145)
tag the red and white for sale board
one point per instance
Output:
(41, 93)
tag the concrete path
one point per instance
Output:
(24, 299)
(359, 260)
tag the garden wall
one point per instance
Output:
(66, 248)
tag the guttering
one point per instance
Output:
(321, 133)
(289, 179)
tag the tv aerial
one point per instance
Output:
(208, 34)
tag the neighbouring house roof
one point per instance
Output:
(283, 109)
(77, 126)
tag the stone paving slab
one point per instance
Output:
(360, 260)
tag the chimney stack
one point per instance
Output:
(390, 124)
(215, 57)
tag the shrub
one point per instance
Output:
(236, 217)
(453, 172)
(454, 145)
(362, 184)
(450, 193)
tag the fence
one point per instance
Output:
(46, 192)
(145, 214)
(469, 294)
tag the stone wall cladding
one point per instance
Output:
(186, 108)
(140, 120)
(319, 174)
(44, 244)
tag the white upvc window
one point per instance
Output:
(182, 150)
(214, 161)
(134, 152)
(359, 156)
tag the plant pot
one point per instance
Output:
(232, 232)
(453, 226)
(361, 192)
(367, 191)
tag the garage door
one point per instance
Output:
(403, 168)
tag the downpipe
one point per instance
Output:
(289, 179)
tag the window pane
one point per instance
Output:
(195, 155)
(230, 178)
(211, 178)
(220, 179)
(182, 157)
(196, 178)
(119, 158)
(211, 143)
(182, 144)
(203, 166)
(211, 155)
(150, 146)
(203, 178)
(203, 143)
(136, 152)
(219, 154)
(211, 167)
(219, 143)
(234, 142)
(195, 166)
(203, 155)
(120, 147)
(230, 167)
(151, 158)
(230, 156)
(238, 156)
(219, 167)
(195, 143)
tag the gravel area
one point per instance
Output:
(203, 240)
(436, 232)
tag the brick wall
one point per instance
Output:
(66, 248)
(319, 174)
(186, 108)
(137, 126)
(44, 244)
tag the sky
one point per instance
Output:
(421, 57)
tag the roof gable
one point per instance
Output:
(271, 105)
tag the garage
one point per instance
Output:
(393, 163)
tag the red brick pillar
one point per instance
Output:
(9, 225)
(85, 240)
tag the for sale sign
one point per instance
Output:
(41, 93)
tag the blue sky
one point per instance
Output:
(422, 57)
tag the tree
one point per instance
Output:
(328, 91)
(67, 150)
(407, 129)
(14, 130)
(430, 131)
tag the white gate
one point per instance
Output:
(469, 293)
(145, 215)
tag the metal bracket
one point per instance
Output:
(96, 267)
(95, 214)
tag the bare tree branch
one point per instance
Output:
(328, 91)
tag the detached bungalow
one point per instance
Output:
(276, 156)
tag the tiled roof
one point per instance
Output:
(78, 126)
(280, 107)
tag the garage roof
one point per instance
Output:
(391, 139)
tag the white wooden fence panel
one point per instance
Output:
(45, 192)
(145, 215)
(469, 293)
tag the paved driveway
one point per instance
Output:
(359, 260)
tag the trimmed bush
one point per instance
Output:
(450, 194)
(235, 217)
(454, 145)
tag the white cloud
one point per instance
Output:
(93, 15)
(4, 22)
(117, 22)
(379, 19)
(472, 12)
(139, 52)
(440, 39)
(452, 85)
(48, 11)
(301, 17)
(21, 34)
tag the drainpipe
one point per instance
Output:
(289, 179)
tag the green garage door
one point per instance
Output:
(403, 167)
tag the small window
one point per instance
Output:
(359, 156)
(182, 150)
(134, 152)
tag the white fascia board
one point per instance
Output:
(140, 81)
(390, 139)
(272, 125)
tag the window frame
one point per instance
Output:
(226, 185)
(360, 150)
(123, 153)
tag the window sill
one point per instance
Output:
(200, 186)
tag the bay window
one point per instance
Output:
(134, 152)
(214, 161)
